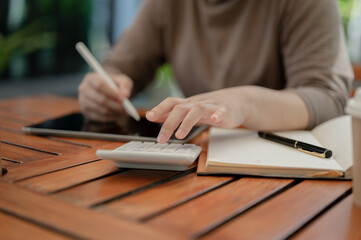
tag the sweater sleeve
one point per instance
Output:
(316, 63)
(139, 51)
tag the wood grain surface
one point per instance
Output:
(343, 221)
(15, 228)
(21, 154)
(109, 187)
(57, 188)
(163, 197)
(39, 143)
(284, 214)
(69, 219)
(56, 181)
(51, 164)
(216, 207)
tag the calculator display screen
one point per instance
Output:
(125, 128)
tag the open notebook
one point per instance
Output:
(240, 151)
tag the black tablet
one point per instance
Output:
(124, 129)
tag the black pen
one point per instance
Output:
(300, 146)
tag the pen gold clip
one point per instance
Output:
(322, 155)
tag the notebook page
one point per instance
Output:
(336, 134)
(245, 147)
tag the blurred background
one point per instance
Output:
(37, 39)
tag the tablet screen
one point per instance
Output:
(125, 128)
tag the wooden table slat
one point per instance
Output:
(55, 163)
(281, 216)
(9, 165)
(13, 115)
(89, 142)
(15, 228)
(103, 189)
(69, 177)
(38, 142)
(217, 206)
(83, 223)
(39, 108)
(165, 196)
(341, 222)
(20, 154)
(10, 123)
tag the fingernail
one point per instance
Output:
(180, 134)
(150, 115)
(162, 138)
(216, 118)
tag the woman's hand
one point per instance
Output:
(251, 106)
(219, 108)
(100, 102)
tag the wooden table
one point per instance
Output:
(57, 188)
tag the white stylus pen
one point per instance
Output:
(94, 64)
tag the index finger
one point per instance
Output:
(163, 108)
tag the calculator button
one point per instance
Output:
(186, 148)
(146, 146)
(171, 148)
(130, 146)
(158, 147)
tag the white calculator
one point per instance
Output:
(152, 155)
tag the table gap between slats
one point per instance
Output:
(20, 154)
(107, 189)
(162, 198)
(218, 206)
(83, 223)
(70, 177)
(340, 222)
(323, 211)
(9, 164)
(303, 202)
(40, 143)
(55, 163)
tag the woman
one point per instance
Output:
(266, 65)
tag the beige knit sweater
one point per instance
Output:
(212, 44)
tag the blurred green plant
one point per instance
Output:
(164, 74)
(345, 7)
(26, 40)
(41, 39)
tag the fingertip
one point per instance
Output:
(180, 134)
(215, 118)
(150, 115)
(162, 138)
